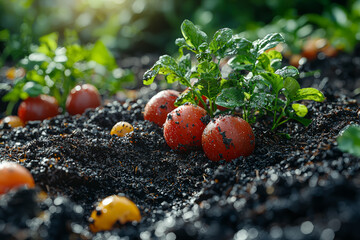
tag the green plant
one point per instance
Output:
(54, 70)
(349, 140)
(258, 83)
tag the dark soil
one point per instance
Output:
(298, 188)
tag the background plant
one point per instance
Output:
(258, 84)
(143, 26)
(54, 70)
(349, 140)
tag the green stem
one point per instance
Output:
(275, 107)
(208, 110)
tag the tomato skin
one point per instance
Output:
(184, 126)
(111, 210)
(38, 108)
(82, 97)
(13, 175)
(228, 137)
(160, 105)
(13, 121)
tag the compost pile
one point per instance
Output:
(298, 188)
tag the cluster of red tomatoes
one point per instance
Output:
(44, 106)
(189, 127)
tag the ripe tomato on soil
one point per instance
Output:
(38, 108)
(160, 105)
(184, 126)
(82, 97)
(113, 210)
(227, 138)
(13, 121)
(13, 175)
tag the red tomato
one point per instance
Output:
(184, 126)
(81, 98)
(160, 105)
(13, 175)
(38, 108)
(227, 138)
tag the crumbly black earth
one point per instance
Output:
(298, 188)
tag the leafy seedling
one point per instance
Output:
(258, 83)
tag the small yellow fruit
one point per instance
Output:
(13, 121)
(113, 210)
(121, 129)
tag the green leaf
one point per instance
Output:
(166, 65)
(231, 98)
(240, 45)
(75, 53)
(300, 109)
(260, 100)
(221, 37)
(208, 83)
(181, 43)
(275, 80)
(349, 140)
(269, 41)
(241, 62)
(291, 86)
(309, 94)
(264, 63)
(33, 89)
(4, 35)
(275, 59)
(100, 54)
(185, 65)
(288, 71)
(304, 121)
(48, 44)
(193, 36)
(186, 96)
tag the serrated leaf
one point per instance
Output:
(349, 140)
(193, 36)
(260, 100)
(264, 63)
(221, 37)
(241, 62)
(185, 64)
(186, 97)
(309, 94)
(291, 86)
(208, 83)
(166, 65)
(288, 71)
(275, 80)
(241, 45)
(300, 109)
(231, 98)
(269, 41)
(180, 42)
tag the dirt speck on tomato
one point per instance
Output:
(184, 126)
(160, 105)
(227, 138)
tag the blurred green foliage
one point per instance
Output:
(54, 70)
(138, 26)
